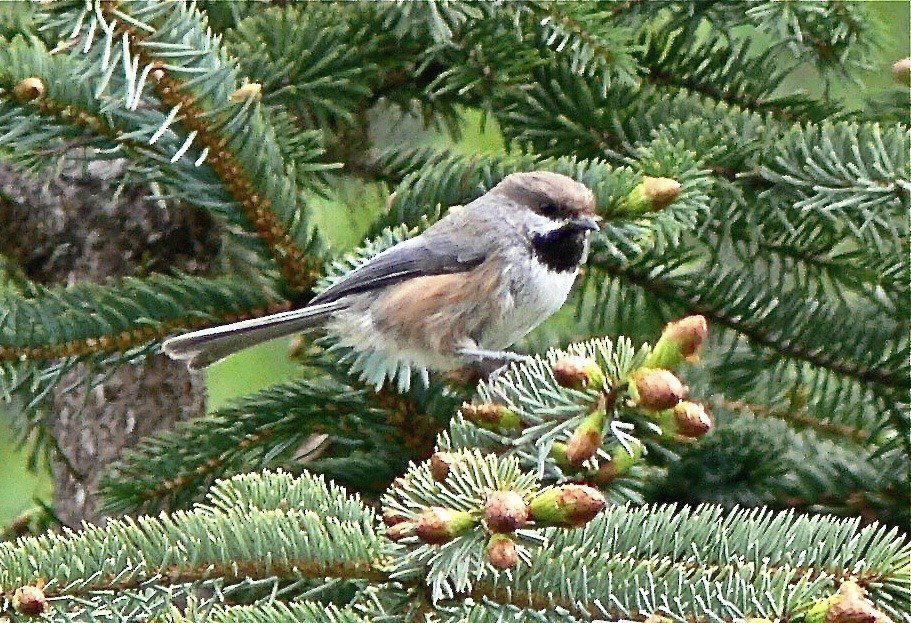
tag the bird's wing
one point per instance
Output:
(423, 255)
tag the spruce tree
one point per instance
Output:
(715, 428)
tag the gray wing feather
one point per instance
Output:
(431, 253)
(426, 254)
(206, 346)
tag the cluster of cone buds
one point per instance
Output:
(848, 605)
(503, 512)
(655, 388)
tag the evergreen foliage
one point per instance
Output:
(786, 229)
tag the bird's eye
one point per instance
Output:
(549, 209)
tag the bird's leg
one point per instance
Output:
(492, 363)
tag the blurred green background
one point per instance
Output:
(343, 221)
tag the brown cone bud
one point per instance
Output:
(29, 89)
(438, 524)
(850, 606)
(578, 372)
(30, 600)
(491, 415)
(392, 517)
(21, 524)
(586, 439)
(901, 71)
(680, 340)
(505, 511)
(690, 332)
(692, 419)
(399, 531)
(568, 506)
(501, 552)
(251, 89)
(441, 464)
(660, 191)
(653, 193)
(656, 388)
(657, 618)
(582, 446)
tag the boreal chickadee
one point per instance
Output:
(457, 295)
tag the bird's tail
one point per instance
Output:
(202, 348)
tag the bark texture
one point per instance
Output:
(75, 227)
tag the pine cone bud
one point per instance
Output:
(654, 193)
(251, 89)
(438, 524)
(578, 372)
(399, 531)
(680, 340)
(692, 419)
(901, 71)
(567, 506)
(441, 464)
(30, 600)
(586, 439)
(21, 524)
(850, 606)
(392, 517)
(501, 552)
(491, 416)
(655, 388)
(29, 89)
(657, 618)
(505, 511)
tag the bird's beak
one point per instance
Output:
(585, 223)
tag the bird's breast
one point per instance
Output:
(532, 293)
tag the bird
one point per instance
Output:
(455, 296)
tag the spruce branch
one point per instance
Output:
(604, 569)
(95, 319)
(172, 43)
(291, 541)
(268, 428)
(277, 612)
(589, 40)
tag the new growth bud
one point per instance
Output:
(901, 71)
(848, 605)
(441, 464)
(654, 193)
(251, 89)
(567, 506)
(655, 389)
(578, 372)
(30, 600)
(679, 341)
(692, 419)
(491, 416)
(501, 552)
(586, 439)
(29, 89)
(620, 463)
(399, 531)
(505, 511)
(392, 517)
(438, 524)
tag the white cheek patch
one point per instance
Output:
(541, 225)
